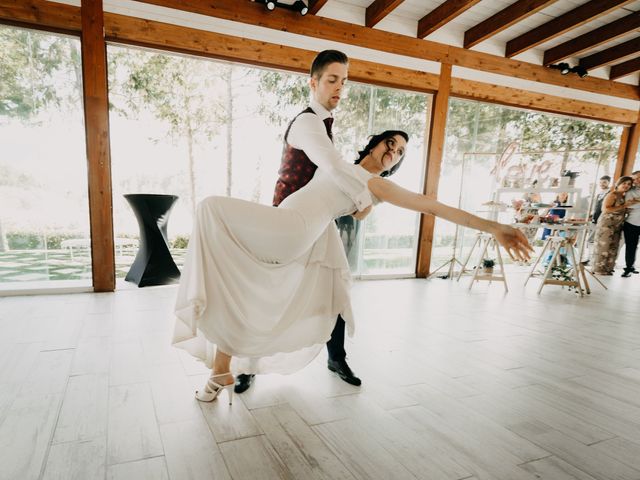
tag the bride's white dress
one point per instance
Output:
(266, 284)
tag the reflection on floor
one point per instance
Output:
(456, 385)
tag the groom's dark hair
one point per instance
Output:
(375, 140)
(326, 58)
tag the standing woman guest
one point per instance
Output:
(609, 227)
(266, 284)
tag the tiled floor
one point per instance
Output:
(458, 384)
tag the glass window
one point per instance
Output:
(194, 127)
(387, 240)
(44, 214)
(494, 156)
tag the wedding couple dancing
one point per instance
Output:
(264, 288)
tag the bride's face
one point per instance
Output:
(389, 152)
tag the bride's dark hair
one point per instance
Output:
(375, 140)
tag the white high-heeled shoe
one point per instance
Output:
(213, 388)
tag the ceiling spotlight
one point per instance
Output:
(580, 71)
(563, 67)
(301, 7)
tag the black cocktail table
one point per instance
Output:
(153, 264)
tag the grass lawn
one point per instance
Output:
(53, 265)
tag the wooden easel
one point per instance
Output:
(485, 241)
(554, 244)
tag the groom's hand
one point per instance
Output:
(360, 215)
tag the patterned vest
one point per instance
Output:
(296, 170)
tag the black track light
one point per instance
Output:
(580, 71)
(299, 6)
(564, 68)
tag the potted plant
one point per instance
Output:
(487, 265)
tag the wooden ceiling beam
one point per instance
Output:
(63, 18)
(617, 53)
(151, 34)
(503, 19)
(147, 33)
(316, 5)
(624, 69)
(442, 15)
(380, 9)
(351, 34)
(592, 39)
(361, 36)
(542, 102)
(572, 19)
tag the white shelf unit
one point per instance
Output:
(575, 254)
(574, 197)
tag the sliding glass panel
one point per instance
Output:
(44, 215)
(189, 127)
(386, 243)
(194, 127)
(495, 156)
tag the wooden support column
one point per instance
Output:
(96, 112)
(627, 151)
(437, 128)
(632, 149)
(622, 150)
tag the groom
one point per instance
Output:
(305, 137)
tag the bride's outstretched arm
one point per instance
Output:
(513, 240)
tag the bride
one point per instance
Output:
(263, 286)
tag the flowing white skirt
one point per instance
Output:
(263, 284)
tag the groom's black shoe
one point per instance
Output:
(343, 371)
(243, 382)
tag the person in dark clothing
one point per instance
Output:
(605, 187)
(631, 227)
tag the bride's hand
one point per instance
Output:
(514, 242)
